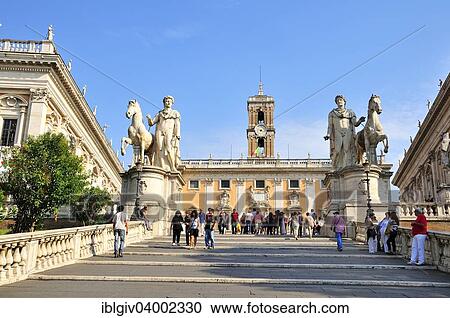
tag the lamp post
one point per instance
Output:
(138, 184)
(366, 166)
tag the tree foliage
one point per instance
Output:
(90, 203)
(42, 175)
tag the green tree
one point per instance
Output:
(42, 175)
(90, 203)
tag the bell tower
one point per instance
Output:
(260, 131)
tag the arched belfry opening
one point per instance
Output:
(260, 117)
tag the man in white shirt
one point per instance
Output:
(120, 227)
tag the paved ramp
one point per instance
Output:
(240, 266)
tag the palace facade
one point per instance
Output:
(38, 94)
(424, 173)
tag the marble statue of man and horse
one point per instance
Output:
(159, 150)
(348, 148)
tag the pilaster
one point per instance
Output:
(38, 111)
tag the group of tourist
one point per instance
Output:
(252, 222)
(381, 235)
(278, 223)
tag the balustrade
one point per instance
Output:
(431, 210)
(258, 162)
(23, 254)
(29, 46)
(437, 248)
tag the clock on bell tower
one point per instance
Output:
(260, 131)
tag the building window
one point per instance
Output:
(193, 184)
(260, 184)
(224, 184)
(294, 184)
(322, 183)
(9, 132)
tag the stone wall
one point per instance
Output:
(27, 253)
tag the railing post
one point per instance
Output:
(77, 246)
(6, 45)
(32, 254)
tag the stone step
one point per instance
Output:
(257, 246)
(219, 250)
(256, 265)
(254, 238)
(267, 256)
(273, 272)
(252, 281)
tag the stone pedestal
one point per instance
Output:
(158, 189)
(348, 194)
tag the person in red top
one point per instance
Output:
(234, 221)
(419, 234)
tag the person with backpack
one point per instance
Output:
(177, 228)
(338, 226)
(391, 231)
(210, 223)
(371, 232)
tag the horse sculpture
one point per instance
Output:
(372, 134)
(138, 135)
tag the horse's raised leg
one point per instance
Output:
(124, 144)
(386, 143)
(368, 149)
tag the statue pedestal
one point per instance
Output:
(348, 195)
(158, 189)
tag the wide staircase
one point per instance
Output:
(239, 266)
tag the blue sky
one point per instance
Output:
(207, 55)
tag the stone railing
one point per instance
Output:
(431, 210)
(28, 46)
(254, 162)
(437, 248)
(27, 253)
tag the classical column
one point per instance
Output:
(38, 111)
(278, 194)
(310, 193)
(240, 195)
(19, 134)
